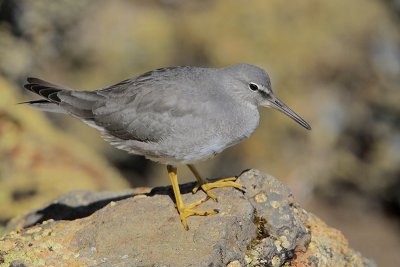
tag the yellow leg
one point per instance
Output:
(188, 210)
(206, 187)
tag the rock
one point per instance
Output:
(261, 227)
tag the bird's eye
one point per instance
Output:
(253, 86)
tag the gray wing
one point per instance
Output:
(151, 114)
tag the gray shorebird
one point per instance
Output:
(175, 115)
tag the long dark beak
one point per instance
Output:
(279, 105)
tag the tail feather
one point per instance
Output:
(77, 101)
(44, 89)
(37, 81)
(61, 99)
(45, 105)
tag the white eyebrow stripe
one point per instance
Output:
(265, 90)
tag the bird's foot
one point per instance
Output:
(226, 182)
(186, 211)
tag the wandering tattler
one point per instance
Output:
(175, 115)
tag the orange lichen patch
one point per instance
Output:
(328, 247)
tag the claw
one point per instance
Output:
(188, 210)
(227, 182)
(208, 193)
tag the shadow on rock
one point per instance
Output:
(80, 204)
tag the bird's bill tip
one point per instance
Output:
(279, 105)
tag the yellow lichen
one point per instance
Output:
(260, 198)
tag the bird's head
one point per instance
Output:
(254, 85)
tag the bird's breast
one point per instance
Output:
(241, 125)
(226, 129)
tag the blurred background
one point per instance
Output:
(337, 63)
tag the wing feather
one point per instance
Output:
(151, 113)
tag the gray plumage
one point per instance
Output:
(171, 115)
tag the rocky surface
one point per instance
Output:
(261, 227)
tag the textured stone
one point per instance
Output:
(142, 228)
(280, 230)
(327, 246)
